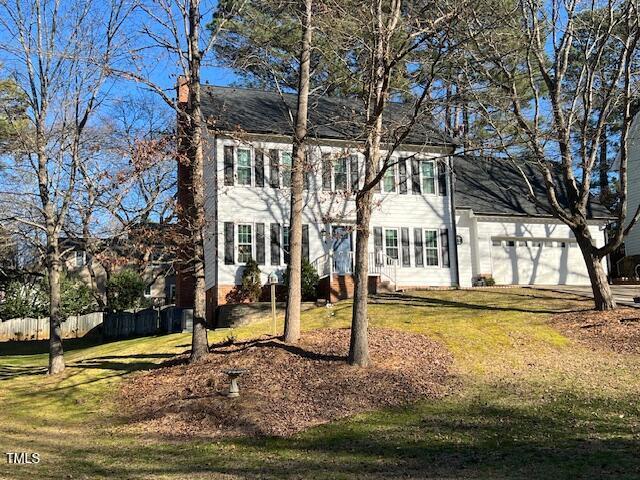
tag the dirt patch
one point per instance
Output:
(287, 389)
(618, 330)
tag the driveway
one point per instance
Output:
(623, 294)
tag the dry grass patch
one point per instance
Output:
(287, 389)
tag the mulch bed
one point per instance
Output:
(618, 330)
(287, 388)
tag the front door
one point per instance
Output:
(341, 249)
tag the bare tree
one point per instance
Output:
(294, 297)
(61, 54)
(172, 29)
(577, 76)
(398, 46)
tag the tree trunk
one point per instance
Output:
(294, 297)
(56, 353)
(199, 342)
(359, 345)
(602, 296)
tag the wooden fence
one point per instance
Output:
(38, 328)
(111, 325)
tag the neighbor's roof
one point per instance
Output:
(492, 186)
(255, 111)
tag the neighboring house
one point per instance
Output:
(632, 242)
(416, 238)
(150, 257)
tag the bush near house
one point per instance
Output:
(251, 287)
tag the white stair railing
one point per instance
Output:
(342, 263)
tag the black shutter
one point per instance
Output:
(377, 243)
(260, 244)
(286, 251)
(305, 242)
(406, 252)
(402, 175)
(307, 170)
(415, 177)
(275, 244)
(274, 169)
(444, 247)
(355, 173)
(229, 247)
(326, 172)
(417, 246)
(442, 178)
(228, 165)
(259, 168)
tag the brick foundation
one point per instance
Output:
(340, 287)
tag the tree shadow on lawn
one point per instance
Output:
(225, 348)
(37, 347)
(425, 301)
(451, 438)
(108, 362)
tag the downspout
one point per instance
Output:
(215, 227)
(454, 223)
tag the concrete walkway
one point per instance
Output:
(623, 294)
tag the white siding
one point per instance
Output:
(244, 204)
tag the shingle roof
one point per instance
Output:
(231, 109)
(493, 186)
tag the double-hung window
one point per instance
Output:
(285, 161)
(391, 243)
(431, 255)
(244, 166)
(428, 176)
(340, 173)
(389, 180)
(245, 243)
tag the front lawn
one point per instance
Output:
(531, 403)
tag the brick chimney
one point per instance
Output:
(182, 87)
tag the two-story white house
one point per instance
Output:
(632, 242)
(439, 220)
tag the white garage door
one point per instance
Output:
(520, 261)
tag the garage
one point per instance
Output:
(532, 261)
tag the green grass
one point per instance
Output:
(527, 403)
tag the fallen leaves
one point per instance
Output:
(287, 388)
(618, 330)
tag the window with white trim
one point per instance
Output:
(428, 177)
(389, 180)
(431, 251)
(496, 242)
(147, 291)
(285, 166)
(243, 169)
(391, 246)
(340, 173)
(245, 243)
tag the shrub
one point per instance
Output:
(22, 299)
(309, 282)
(125, 291)
(251, 287)
(76, 297)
